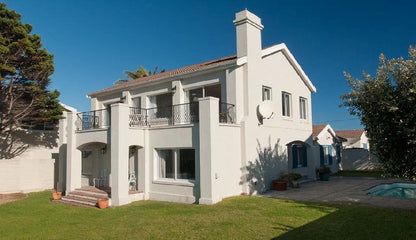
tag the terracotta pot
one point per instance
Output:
(56, 195)
(279, 185)
(103, 203)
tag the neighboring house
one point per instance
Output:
(330, 146)
(199, 133)
(355, 138)
(356, 154)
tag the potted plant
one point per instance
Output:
(323, 173)
(294, 179)
(102, 203)
(281, 183)
(56, 195)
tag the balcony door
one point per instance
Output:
(160, 109)
(207, 91)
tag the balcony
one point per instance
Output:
(180, 114)
(98, 119)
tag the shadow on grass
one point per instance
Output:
(354, 222)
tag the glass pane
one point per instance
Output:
(195, 94)
(267, 94)
(213, 91)
(186, 164)
(287, 104)
(137, 102)
(166, 166)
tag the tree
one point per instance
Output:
(25, 67)
(141, 72)
(386, 106)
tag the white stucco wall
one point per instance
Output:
(34, 169)
(172, 137)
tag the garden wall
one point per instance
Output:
(358, 159)
(30, 166)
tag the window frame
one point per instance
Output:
(305, 108)
(299, 152)
(176, 161)
(326, 155)
(263, 91)
(287, 112)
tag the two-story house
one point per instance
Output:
(199, 133)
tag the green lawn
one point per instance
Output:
(360, 173)
(234, 218)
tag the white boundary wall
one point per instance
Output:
(33, 170)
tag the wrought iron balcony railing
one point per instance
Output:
(93, 119)
(186, 113)
(227, 113)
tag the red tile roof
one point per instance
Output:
(316, 129)
(172, 73)
(350, 133)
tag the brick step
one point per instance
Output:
(79, 200)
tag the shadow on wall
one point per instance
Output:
(271, 161)
(17, 142)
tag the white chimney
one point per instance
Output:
(248, 28)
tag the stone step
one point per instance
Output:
(79, 200)
(88, 195)
(91, 191)
(72, 203)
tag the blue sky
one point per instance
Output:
(95, 41)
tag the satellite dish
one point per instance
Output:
(265, 109)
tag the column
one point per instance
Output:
(119, 154)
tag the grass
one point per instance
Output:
(360, 173)
(36, 217)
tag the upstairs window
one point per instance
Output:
(302, 108)
(267, 93)
(286, 104)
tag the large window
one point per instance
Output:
(176, 163)
(302, 108)
(267, 93)
(207, 91)
(286, 104)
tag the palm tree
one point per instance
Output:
(141, 72)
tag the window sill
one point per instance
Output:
(286, 118)
(187, 183)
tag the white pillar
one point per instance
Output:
(119, 154)
(208, 125)
(178, 95)
(74, 157)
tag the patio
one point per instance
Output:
(344, 190)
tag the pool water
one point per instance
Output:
(398, 190)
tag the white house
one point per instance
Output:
(199, 133)
(355, 138)
(330, 146)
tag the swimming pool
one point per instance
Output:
(398, 190)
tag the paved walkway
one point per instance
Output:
(345, 190)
